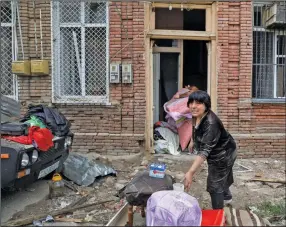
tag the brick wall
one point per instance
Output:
(117, 128)
(259, 129)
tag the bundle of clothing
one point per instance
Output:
(176, 132)
(38, 127)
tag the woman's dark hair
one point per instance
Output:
(201, 97)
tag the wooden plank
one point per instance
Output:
(166, 50)
(152, 18)
(270, 180)
(146, 16)
(209, 66)
(205, 5)
(28, 220)
(147, 78)
(208, 19)
(181, 64)
(214, 18)
(213, 91)
(150, 85)
(179, 34)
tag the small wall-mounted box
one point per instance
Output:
(22, 68)
(114, 73)
(126, 73)
(39, 67)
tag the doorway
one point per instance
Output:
(177, 63)
(195, 22)
(165, 81)
(195, 64)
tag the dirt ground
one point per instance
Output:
(245, 193)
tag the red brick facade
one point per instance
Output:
(119, 128)
(259, 129)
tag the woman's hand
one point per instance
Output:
(188, 180)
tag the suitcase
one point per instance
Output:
(14, 129)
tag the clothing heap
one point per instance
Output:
(38, 127)
(174, 135)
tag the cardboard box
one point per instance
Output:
(21, 68)
(39, 67)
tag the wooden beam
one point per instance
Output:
(166, 49)
(152, 19)
(180, 34)
(147, 78)
(213, 91)
(150, 85)
(187, 6)
(181, 63)
(146, 17)
(209, 20)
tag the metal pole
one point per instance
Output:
(41, 33)
(35, 28)
(20, 30)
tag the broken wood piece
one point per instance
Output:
(76, 220)
(70, 186)
(29, 220)
(259, 175)
(80, 201)
(269, 180)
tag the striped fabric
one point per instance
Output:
(235, 217)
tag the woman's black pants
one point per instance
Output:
(218, 199)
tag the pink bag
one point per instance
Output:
(178, 110)
(185, 132)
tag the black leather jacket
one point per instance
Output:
(212, 141)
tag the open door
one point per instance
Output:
(156, 86)
(165, 81)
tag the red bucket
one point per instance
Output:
(213, 218)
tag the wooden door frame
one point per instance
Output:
(151, 33)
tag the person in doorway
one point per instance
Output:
(212, 142)
(185, 92)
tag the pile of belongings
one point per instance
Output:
(38, 127)
(174, 135)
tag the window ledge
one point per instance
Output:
(269, 101)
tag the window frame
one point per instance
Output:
(275, 34)
(14, 44)
(82, 25)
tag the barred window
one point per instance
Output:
(80, 51)
(269, 54)
(8, 44)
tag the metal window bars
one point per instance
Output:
(8, 42)
(269, 54)
(80, 51)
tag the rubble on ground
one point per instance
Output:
(245, 192)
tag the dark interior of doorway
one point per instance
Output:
(195, 64)
(168, 79)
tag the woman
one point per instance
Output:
(212, 143)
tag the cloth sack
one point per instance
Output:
(173, 208)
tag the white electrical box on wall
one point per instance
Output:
(114, 73)
(126, 73)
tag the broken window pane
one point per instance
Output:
(70, 66)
